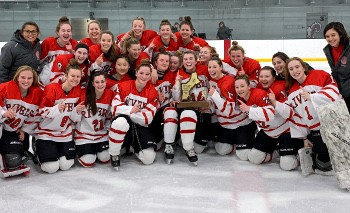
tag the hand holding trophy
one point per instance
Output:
(190, 98)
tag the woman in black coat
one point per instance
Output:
(23, 49)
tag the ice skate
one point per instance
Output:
(5, 172)
(169, 153)
(192, 157)
(115, 162)
(306, 162)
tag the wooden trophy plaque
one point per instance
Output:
(185, 97)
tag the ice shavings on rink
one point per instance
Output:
(219, 184)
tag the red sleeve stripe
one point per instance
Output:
(265, 114)
(315, 125)
(145, 117)
(298, 124)
(224, 107)
(332, 88)
(150, 109)
(327, 95)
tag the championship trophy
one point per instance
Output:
(185, 96)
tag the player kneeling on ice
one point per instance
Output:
(274, 133)
(307, 90)
(194, 121)
(54, 145)
(19, 101)
(235, 126)
(93, 118)
(133, 108)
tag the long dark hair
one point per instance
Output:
(90, 97)
(112, 52)
(339, 27)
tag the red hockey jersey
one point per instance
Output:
(127, 96)
(112, 82)
(55, 125)
(87, 41)
(49, 50)
(164, 86)
(91, 128)
(225, 108)
(250, 66)
(147, 36)
(26, 109)
(302, 113)
(107, 66)
(60, 65)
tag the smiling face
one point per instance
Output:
(30, 33)
(65, 33)
(143, 75)
(165, 32)
(214, 69)
(174, 63)
(134, 51)
(237, 58)
(99, 84)
(185, 32)
(73, 77)
(204, 55)
(162, 62)
(137, 27)
(106, 42)
(81, 55)
(94, 31)
(297, 71)
(242, 88)
(266, 78)
(332, 37)
(122, 66)
(25, 80)
(189, 62)
(279, 65)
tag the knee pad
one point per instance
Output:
(188, 121)
(242, 154)
(103, 156)
(117, 132)
(87, 160)
(50, 167)
(170, 124)
(223, 148)
(12, 160)
(198, 148)
(257, 157)
(147, 156)
(288, 162)
(65, 164)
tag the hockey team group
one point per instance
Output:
(101, 98)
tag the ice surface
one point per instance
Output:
(218, 184)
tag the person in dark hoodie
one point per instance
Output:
(23, 49)
(223, 32)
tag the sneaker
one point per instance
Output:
(115, 161)
(306, 163)
(192, 157)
